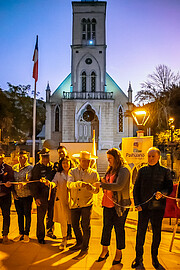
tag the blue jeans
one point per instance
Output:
(23, 207)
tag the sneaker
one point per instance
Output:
(26, 239)
(51, 235)
(18, 238)
(62, 245)
(81, 255)
(136, 263)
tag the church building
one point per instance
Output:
(88, 99)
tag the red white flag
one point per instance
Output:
(35, 59)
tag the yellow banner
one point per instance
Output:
(134, 149)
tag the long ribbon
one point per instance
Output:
(135, 206)
(33, 181)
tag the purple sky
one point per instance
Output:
(141, 34)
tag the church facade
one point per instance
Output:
(88, 99)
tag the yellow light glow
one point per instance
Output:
(140, 112)
(141, 117)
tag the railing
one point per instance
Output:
(88, 95)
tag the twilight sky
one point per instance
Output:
(141, 34)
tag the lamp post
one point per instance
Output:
(141, 117)
(171, 127)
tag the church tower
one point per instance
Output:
(88, 67)
(88, 99)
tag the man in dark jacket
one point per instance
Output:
(6, 177)
(43, 194)
(152, 181)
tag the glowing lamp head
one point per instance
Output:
(141, 117)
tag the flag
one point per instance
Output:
(35, 59)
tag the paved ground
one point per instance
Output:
(33, 256)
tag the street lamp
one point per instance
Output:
(171, 127)
(141, 117)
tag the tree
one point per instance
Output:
(159, 92)
(16, 106)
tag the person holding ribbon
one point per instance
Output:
(22, 195)
(116, 202)
(6, 177)
(80, 184)
(44, 194)
(62, 213)
(153, 181)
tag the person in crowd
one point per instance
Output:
(22, 196)
(62, 212)
(152, 181)
(44, 194)
(116, 201)
(6, 177)
(62, 152)
(80, 185)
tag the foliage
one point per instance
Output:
(163, 140)
(161, 95)
(16, 108)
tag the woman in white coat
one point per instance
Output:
(62, 212)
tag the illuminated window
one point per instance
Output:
(83, 81)
(93, 82)
(57, 119)
(120, 119)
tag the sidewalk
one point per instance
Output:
(33, 256)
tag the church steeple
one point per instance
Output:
(130, 93)
(48, 92)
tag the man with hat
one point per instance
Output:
(81, 190)
(44, 194)
(6, 177)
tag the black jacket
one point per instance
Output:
(40, 190)
(6, 174)
(151, 179)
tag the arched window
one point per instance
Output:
(93, 28)
(57, 119)
(93, 82)
(120, 119)
(83, 22)
(89, 30)
(83, 81)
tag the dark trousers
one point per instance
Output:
(47, 206)
(5, 204)
(155, 217)
(84, 214)
(23, 207)
(50, 212)
(110, 219)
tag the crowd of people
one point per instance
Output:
(63, 193)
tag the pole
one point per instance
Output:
(172, 140)
(34, 124)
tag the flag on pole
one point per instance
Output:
(35, 59)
